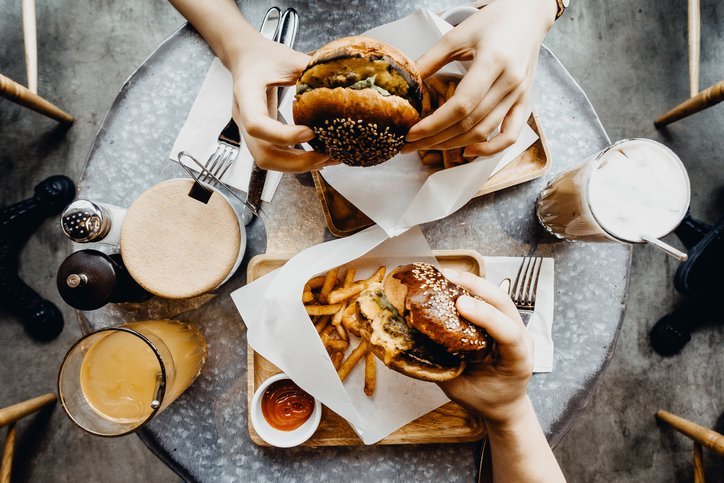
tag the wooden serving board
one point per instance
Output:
(450, 423)
(343, 218)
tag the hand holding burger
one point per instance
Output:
(496, 387)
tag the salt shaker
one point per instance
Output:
(85, 221)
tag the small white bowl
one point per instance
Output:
(273, 436)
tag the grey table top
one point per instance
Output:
(204, 434)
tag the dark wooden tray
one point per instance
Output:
(343, 218)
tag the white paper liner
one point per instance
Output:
(279, 329)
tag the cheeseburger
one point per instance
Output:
(411, 323)
(360, 97)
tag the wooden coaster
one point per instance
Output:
(177, 247)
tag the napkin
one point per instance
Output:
(279, 329)
(402, 193)
(208, 116)
(541, 322)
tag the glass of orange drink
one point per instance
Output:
(115, 380)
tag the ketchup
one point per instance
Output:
(285, 405)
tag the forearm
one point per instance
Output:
(520, 451)
(220, 23)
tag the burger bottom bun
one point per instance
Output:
(415, 368)
(359, 127)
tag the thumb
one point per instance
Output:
(435, 58)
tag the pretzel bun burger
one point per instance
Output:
(411, 323)
(360, 97)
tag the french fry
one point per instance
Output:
(450, 91)
(432, 158)
(341, 331)
(337, 358)
(452, 158)
(349, 320)
(370, 374)
(438, 85)
(340, 294)
(328, 330)
(336, 345)
(316, 282)
(354, 357)
(329, 281)
(307, 295)
(349, 277)
(321, 323)
(426, 102)
(322, 309)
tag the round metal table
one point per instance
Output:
(203, 435)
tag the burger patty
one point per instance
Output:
(356, 73)
(385, 327)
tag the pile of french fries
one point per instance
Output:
(330, 304)
(434, 94)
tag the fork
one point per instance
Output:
(525, 286)
(227, 149)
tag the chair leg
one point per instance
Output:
(12, 413)
(706, 98)
(694, 28)
(30, 39)
(707, 437)
(6, 466)
(22, 95)
(698, 464)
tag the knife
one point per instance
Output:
(286, 34)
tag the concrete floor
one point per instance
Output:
(631, 59)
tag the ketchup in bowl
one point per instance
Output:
(285, 405)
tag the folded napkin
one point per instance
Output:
(540, 326)
(209, 114)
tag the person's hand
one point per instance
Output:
(257, 69)
(502, 41)
(496, 387)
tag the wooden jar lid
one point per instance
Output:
(177, 247)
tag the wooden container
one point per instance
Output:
(450, 423)
(343, 218)
(177, 247)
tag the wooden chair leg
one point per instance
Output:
(698, 464)
(694, 28)
(707, 437)
(706, 98)
(12, 413)
(30, 40)
(6, 465)
(22, 95)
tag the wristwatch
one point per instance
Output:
(562, 6)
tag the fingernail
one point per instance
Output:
(306, 136)
(451, 274)
(466, 304)
(412, 137)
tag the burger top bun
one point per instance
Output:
(360, 97)
(428, 298)
(359, 46)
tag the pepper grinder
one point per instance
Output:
(40, 317)
(89, 279)
(85, 221)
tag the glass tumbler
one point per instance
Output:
(113, 381)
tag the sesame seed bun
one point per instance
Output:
(411, 324)
(360, 97)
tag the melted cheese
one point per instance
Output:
(345, 72)
(384, 324)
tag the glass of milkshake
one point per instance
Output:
(634, 191)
